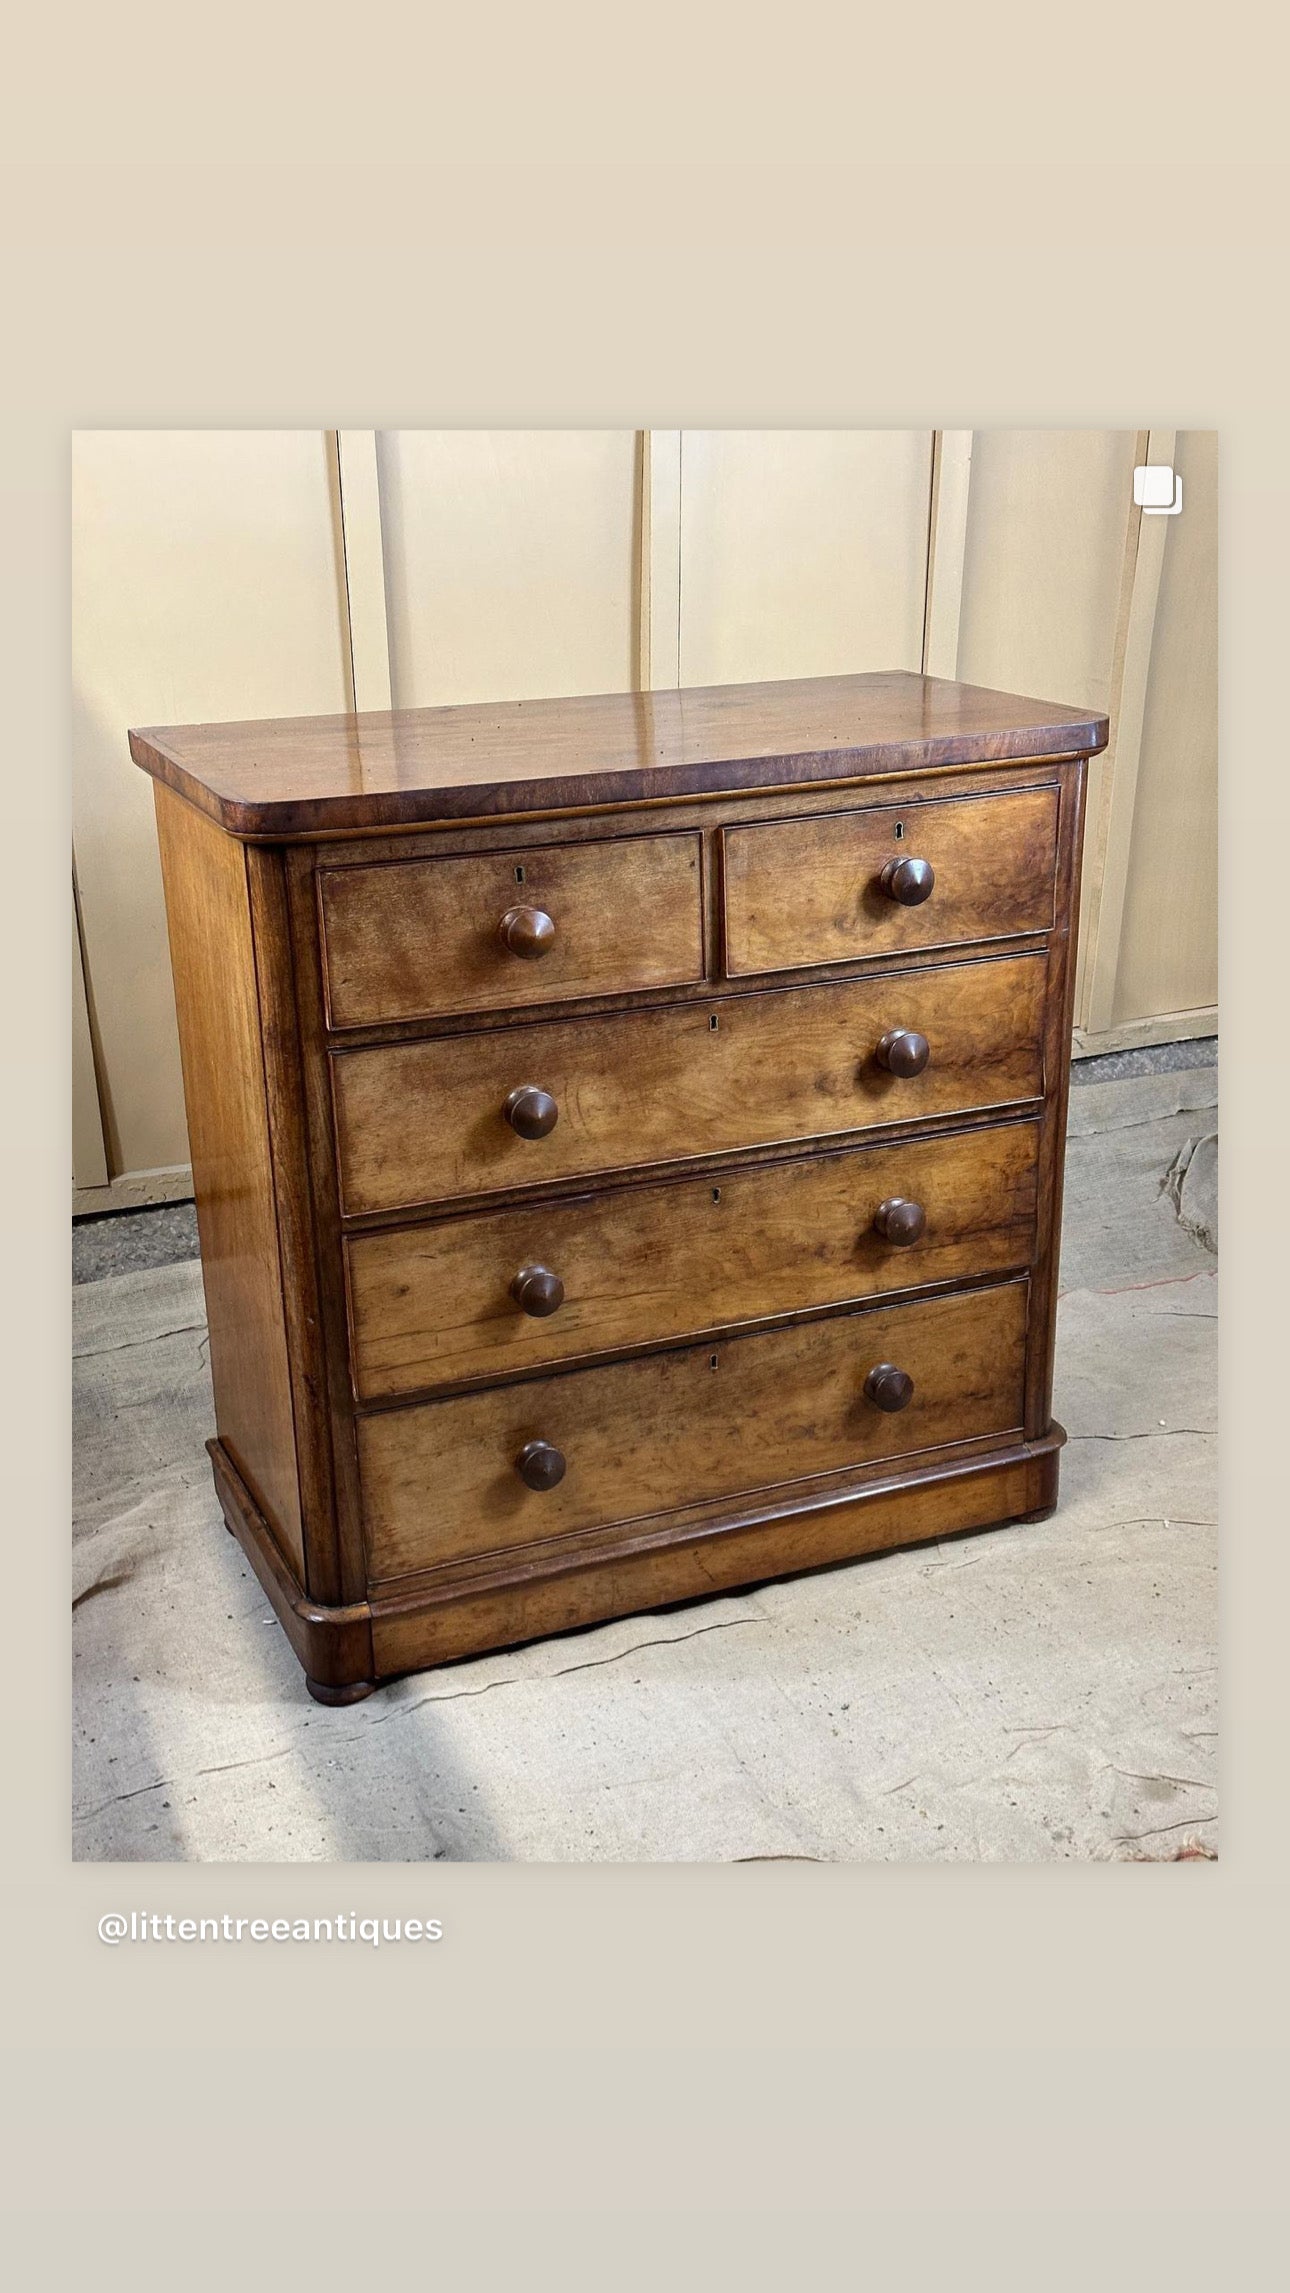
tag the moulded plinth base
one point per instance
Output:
(499, 1600)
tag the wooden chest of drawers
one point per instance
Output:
(627, 1136)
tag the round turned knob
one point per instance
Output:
(531, 1112)
(899, 1221)
(888, 1388)
(538, 1291)
(903, 1051)
(540, 1465)
(527, 931)
(909, 881)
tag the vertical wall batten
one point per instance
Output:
(89, 1154)
(946, 550)
(1145, 544)
(660, 574)
(221, 574)
(364, 564)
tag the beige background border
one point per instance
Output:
(1077, 2042)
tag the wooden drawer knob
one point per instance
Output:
(900, 1222)
(903, 1051)
(530, 1112)
(538, 1291)
(526, 931)
(887, 1387)
(909, 881)
(539, 1465)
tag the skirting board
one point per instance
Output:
(1145, 1034)
(134, 1190)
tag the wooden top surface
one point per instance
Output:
(289, 777)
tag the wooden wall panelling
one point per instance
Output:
(223, 574)
(89, 1156)
(1112, 824)
(659, 658)
(946, 551)
(1061, 576)
(1100, 780)
(363, 566)
(510, 562)
(803, 552)
(1043, 560)
(1167, 954)
(203, 588)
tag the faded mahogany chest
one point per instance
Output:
(627, 1137)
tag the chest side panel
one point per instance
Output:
(213, 959)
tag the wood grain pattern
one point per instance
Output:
(423, 1122)
(213, 958)
(808, 892)
(641, 1265)
(306, 776)
(646, 1435)
(420, 938)
(724, 1295)
(571, 1590)
(337, 1558)
(303, 1291)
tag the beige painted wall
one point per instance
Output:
(803, 553)
(1168, 953)
(243, 573)
(510, 562)
(1045, 543)
(204, 586)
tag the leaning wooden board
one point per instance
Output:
(628, 1138)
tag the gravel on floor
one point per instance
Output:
(1152, 1059)
(127, 1240)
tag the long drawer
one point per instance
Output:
(414, 939)
(482, 1295)
(442, 1479)
(427, 1122)
(832, 888)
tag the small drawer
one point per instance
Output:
(477, 1297)
(428, 1122)
(843, 885)
(422, 939)
(631, 1439)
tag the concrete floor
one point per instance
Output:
(1025, 1695)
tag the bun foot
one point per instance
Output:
(352, 1693)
